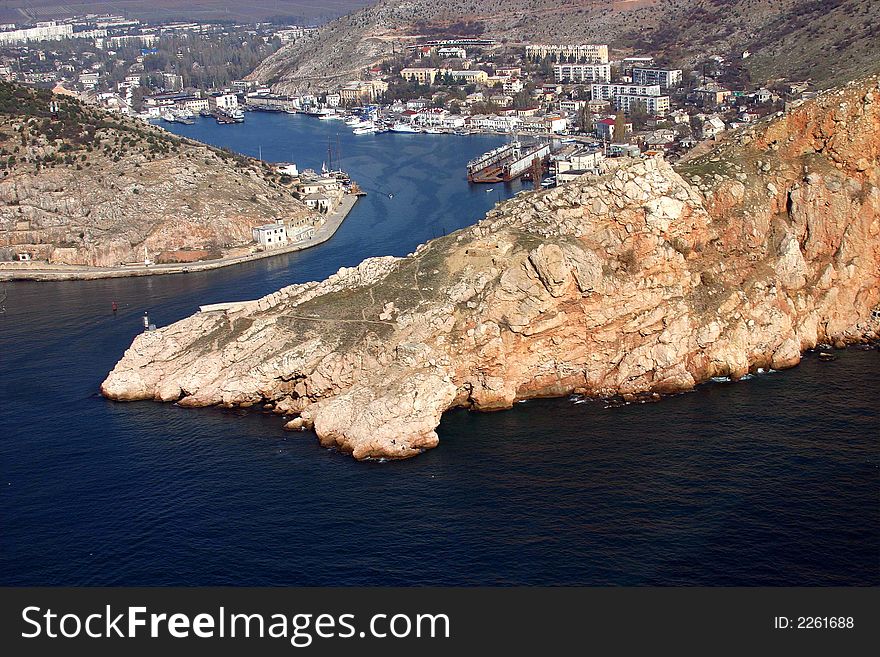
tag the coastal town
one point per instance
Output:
(562, 108)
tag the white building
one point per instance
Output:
(451, 52)
(654, 105)
(224, 101)
(45, 31)
(569, 166)
(609, 91)
(712, 126)
(88, 80)
(666, 78)
(591, 53)
(572, 106)
(582, 72)
(625, 96)
(271, 236)
(494, 123)
(513, 86)
(431, 117)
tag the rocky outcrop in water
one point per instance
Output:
(645, 280)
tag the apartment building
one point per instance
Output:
(589, 53)
(422, 75)
(582, 72)
(609, 91)
(666, 78)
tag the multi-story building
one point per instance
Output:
(572, 106)
(513, 86)
(224, 101)
(582, 72)
(609, 91)
(44, 31)
(666, 78)
(468, 76)
(359, 92)
(271, 236)
(711, 95)
(172, 81)
(571, 165)
(627, 64)
(493, 122)
(589, 53)
(654, 105)
(422, 75)
(430, 117)
(89, 80)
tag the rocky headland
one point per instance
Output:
(645, 280)
(81, 186)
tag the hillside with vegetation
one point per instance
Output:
(825, 42)
(81, 186)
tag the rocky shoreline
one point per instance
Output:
(646, 280)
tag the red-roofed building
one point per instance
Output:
(605, 130)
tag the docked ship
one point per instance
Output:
(225, 117)
(506, 163)
(402, 127)
(173, 117)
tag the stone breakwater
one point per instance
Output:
(643, 280)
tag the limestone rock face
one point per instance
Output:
(646, 279)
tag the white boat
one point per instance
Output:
(364, 130)
(403, 127)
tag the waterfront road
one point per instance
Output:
(16, 271)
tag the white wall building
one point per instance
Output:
(45, 31)
(654, 105)
(666, 78)
(591, 53)
(494, 123)
(271, 236)
(582, 72)
(609, 91)
(224, 101)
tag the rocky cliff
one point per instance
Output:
(643, 281)
(80, 186)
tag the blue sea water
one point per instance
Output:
(770, 481)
